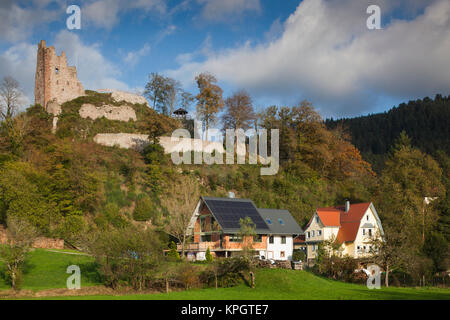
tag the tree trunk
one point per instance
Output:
(167, 285)
(252, 275)
(387, 276)
(182, 247)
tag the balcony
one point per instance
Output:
(202, 246)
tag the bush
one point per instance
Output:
(173, 253)
(298, 255)
(208, 255)
(126, 257)
(144, 209)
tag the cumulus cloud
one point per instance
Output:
(18, 21)
(327, 55)
(132, 58)
(106, 13)
(19, 62)
(94, 70)
(220, 10)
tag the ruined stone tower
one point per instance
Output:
(55, 81)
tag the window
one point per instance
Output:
(269, 221)
(283, 240)
(202, 223)
(307, 235)
(364, 232)
(281, 222)
(257, 238)
(282, 254)
(312, 233)
(312, 247)
(57, 70)
(319, 232)
(370, 232)
(317, 219)
(235, 238)
(367, 217)
(205, 238)
(271, 239)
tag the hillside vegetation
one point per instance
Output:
(69, 187)
(426, 121)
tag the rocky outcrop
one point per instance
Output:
(129, 97)
(140, 141)
(121, 113)
(122, 140)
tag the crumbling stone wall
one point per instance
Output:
(54, 80)
(118, 96)
(140, 141)
(121, 113)
(41, 242)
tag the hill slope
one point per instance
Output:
(427, 123)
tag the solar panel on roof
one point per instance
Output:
(229, 213)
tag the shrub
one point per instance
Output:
(144, 209)
(209, 256)
(173, 253)
(298, 255)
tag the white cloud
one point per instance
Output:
(222, 10)
(133, 57)
(94, 70)
(327, 55)
(19, 62)
(17, 22)
(106, 13)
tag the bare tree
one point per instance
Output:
(11, 97)
(180, 203)
(239, 112)
(21, 236)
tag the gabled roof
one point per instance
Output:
(280, 221)
(329, 218)
(229, 211)
(347, 221)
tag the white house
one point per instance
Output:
(353, 226)
(283, 230)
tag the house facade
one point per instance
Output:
(353, 226)
(215, 225)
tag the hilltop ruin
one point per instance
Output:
(55, 80)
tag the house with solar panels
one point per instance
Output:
(354, 226)
(215, 224)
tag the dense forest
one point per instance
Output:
(426, 122)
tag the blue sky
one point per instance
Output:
(280, 51)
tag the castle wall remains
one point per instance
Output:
(55, 80)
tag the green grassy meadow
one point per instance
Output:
(47, 270)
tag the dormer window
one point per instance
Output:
(281, 222)
(268, 221)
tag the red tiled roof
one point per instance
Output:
(299, 239)
(329, 218)
(348, 221)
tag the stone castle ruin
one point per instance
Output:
(55, 81)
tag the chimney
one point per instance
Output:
(347, 206)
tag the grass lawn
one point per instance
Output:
(47, 270)
(275, 284)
